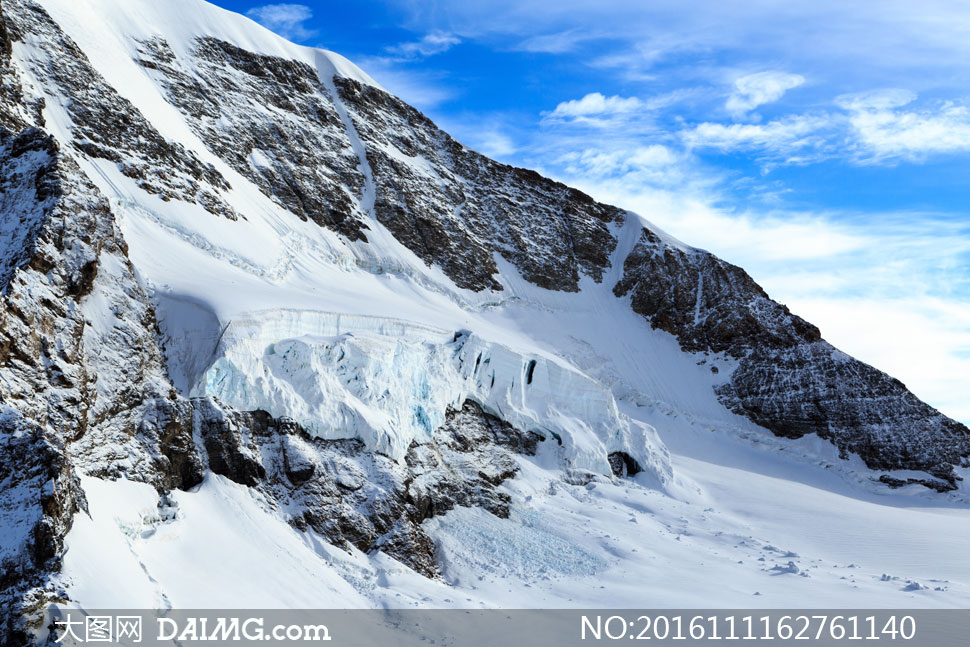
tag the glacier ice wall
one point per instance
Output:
(390, 383)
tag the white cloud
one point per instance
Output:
(884, 133)
(912, 134)
(758, 89)
(783, 136)
(654, 164)
(433, 43)
(495, 144)
(616, 112)
(630, 122)
(885, 99)
(880, 127)
(595, 104)
(287, 20)
(638, 62)
(421, 88)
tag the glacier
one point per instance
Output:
(390, 382)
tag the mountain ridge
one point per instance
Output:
(89, 334)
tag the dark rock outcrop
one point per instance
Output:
(789, 380)
(107, 126)
(40, 496)
(277, 124)
(622, 464)
(814, 388)
(5, 44)
(12, 100)
(354, 497)
(271, 120)
(76, 394)
(709, 304)
(467, 207)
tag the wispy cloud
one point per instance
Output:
(897, 40)
(433, 43)
(886, 133)
(785, 137)
(753, 90)
(495, 144)
(287, 20)
(641, 60)
(423, 88)
(612, 112)
(869, 128)
(883, 99)
(555, 43)
(655, 164)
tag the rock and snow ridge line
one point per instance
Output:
(456, 210)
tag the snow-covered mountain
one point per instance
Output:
(269, 337)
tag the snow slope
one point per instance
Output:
(366, 341)
(605, 544)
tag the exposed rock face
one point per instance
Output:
(454, 207)
(709, 304)
(41, 496)
(814, 388)
(352, 496)
(789, 380)
(5, 45)
(80, 388)
(312, 151)
(108, 126)
(274, 122)
(11, 90)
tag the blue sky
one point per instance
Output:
(822, 145)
